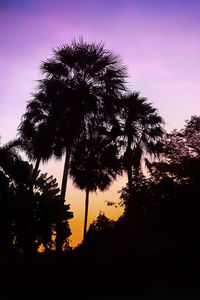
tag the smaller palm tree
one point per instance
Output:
(94, 165)
(37, 132)
(142, 130)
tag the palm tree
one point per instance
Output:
(81, 81)
(141, 128)
(94, 165)
(90, 80)
(37, 131)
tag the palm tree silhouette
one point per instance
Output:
(141, 128)
(37, 132)
(40, 133)
(94, 165)
(81, 81)
(90, 80)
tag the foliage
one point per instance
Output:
(28, 220)
(94, 164)
(101, 223)
(141, 132)
(80, 109)
(181, 157)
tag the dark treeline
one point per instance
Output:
(82, 111)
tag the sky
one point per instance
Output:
(158, 40)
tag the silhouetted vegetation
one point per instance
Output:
(28, 218)
(82, 110)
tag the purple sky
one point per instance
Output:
(158, 40)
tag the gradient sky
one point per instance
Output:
(159, 41)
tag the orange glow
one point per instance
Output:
(97, 203)
(76, 199)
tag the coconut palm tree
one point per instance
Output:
(141, 129)
(90, 80)
(94, 165)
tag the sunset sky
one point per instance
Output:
(158, 40)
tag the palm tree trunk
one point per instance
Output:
(129, 164)
(65, 174)
(130, 177)
(86, 212)
(59, 241)
(35, 171)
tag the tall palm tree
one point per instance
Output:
(142, 129)
(94, 165)
(90, 80)
(81, 81)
